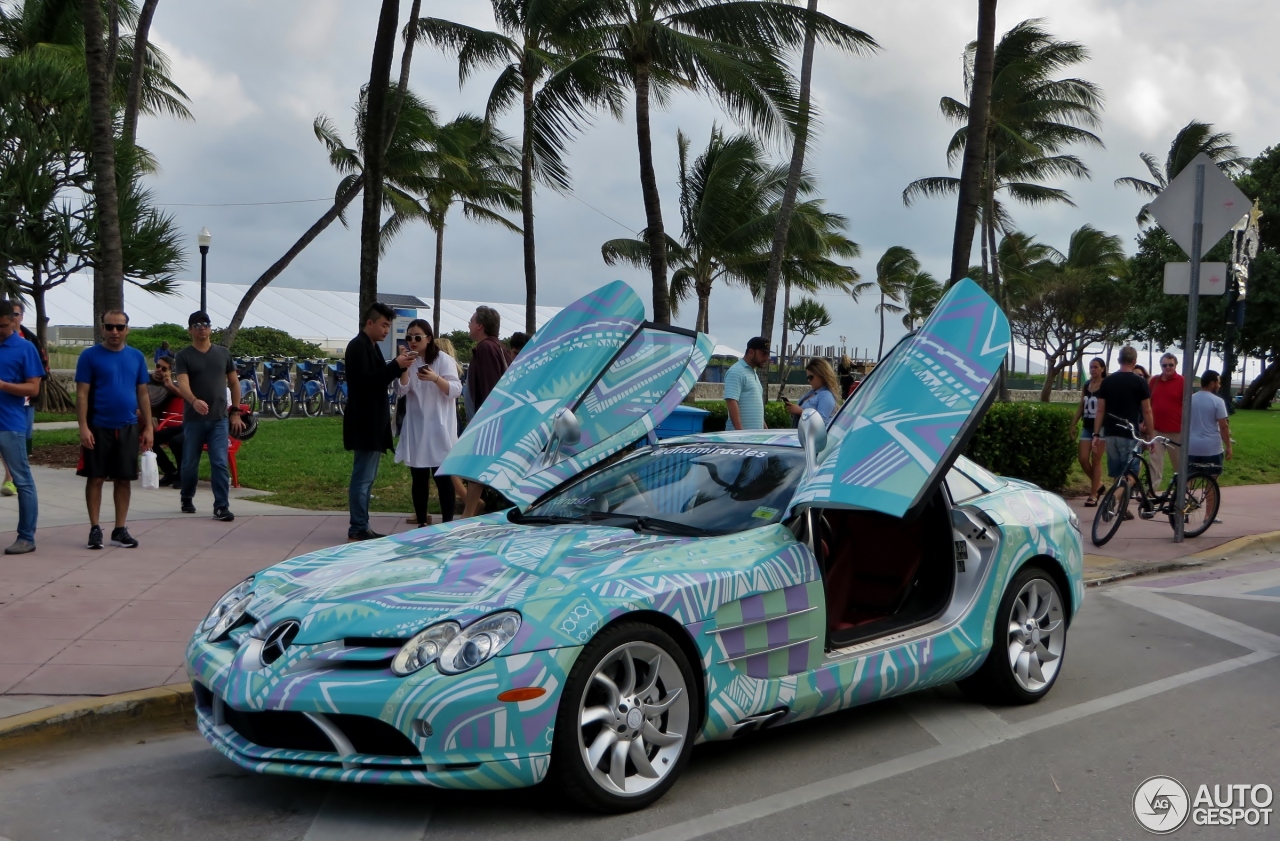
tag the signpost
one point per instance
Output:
(1200, 203)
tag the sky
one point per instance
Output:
(260, 71)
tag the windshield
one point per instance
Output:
(685, 489)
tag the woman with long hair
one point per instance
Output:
(1091, 461)
(846, 375)
(824, 391)
(459, 487)
(430, 386)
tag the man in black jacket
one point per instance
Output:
(366, 425)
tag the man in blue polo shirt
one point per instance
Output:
(111, 394)
(20, 375)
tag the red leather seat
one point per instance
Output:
(872, 564)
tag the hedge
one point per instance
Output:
(1031, 441)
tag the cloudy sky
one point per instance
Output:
(259, 71)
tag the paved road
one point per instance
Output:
(1176, 675)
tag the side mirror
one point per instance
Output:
(813, 437)
(565, 432)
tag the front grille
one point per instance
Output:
(294, 731)
(374, 736)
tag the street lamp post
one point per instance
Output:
(204, 239)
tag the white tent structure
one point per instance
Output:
(326, 318)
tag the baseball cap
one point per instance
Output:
(758, 343)
(199, 317)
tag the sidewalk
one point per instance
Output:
(76, 623)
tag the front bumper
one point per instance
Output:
(355, 721)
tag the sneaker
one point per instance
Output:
(188, 507)
(20, 547)
(367, 534)
(223, 513)
(95, 537)
(8, 489)
(1127, 515)
(121, 537)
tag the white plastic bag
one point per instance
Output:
(150, 471)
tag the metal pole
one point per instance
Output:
(204, 254)
(1188, 358)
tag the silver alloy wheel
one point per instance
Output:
(1037, 635)
(633, 718)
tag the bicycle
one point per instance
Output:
(1200, 508)
(310, 393)
(337, 398)
(251, 390)
(278, 395)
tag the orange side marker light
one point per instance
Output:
(527, 693)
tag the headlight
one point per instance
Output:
(228, 610)
(478, 642)
(424, 648)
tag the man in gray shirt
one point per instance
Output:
(205, 372)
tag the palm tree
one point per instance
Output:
(374, 130)
(920, 295)
(550, 70)
(1193, 139)
(474, 166)
(732, 49)
(895, 271)
(973, 163)
(1024, 263)
(794, 175)
(1033, 116)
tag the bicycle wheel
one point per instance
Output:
(1201, 507)
(1110, 512)
(249, 395)
(312, 399)
(340, 399)
(281, 399)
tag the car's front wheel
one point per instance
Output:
(1029, 643)
(627, 719)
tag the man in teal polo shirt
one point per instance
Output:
(20, 375)
(743, 396)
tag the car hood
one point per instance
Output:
(393, 587)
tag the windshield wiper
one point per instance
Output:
(639, 522)
(549, 519)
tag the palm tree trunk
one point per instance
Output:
(108, 285)
(794, 172)
(374, 152)
(654, 232)
(133, 97)
(880, 352)
(229, 335)
(435, 320)
(975, 148)
(703, 322)
(526, 211)
(784, 364)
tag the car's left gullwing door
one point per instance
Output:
(892, 442)
(620, 375)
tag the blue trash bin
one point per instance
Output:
(684, 420)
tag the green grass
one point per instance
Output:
(51, 417)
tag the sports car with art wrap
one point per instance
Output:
(643, 596)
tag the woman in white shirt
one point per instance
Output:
(431, 388)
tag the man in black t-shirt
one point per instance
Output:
(1122, 395)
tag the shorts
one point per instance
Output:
(1119, 453)
(1086, 431)
(114, 455)
(1208, 465)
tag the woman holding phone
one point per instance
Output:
(823, 390)
(430, 386)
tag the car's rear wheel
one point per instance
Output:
(627, 720)
(1029, 643)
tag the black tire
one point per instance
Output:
(997, 681)
(569, 762)
(1203, 501)
(249, 395)
(281, 399)
(340, 399)
(1110, 512)
(313, 399)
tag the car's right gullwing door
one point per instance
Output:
(893, 441)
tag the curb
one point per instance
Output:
(1239, 544)
(1171, 566)
(171, 706)
(1198, 559)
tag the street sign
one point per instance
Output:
(1224, 204)
(1177, 278)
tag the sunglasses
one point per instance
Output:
(415, 337)
(1168, 365)
(113, 328)
(810, 377)
(201, 325)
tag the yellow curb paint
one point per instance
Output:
(1237, 545)
(173, 703)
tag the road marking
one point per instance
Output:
(963, 730)
(349, 813)
(1202, 620)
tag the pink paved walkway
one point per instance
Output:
(79, 622)
(1246, 510)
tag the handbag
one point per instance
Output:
(150, 471)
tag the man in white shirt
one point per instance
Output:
(1209, 437)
